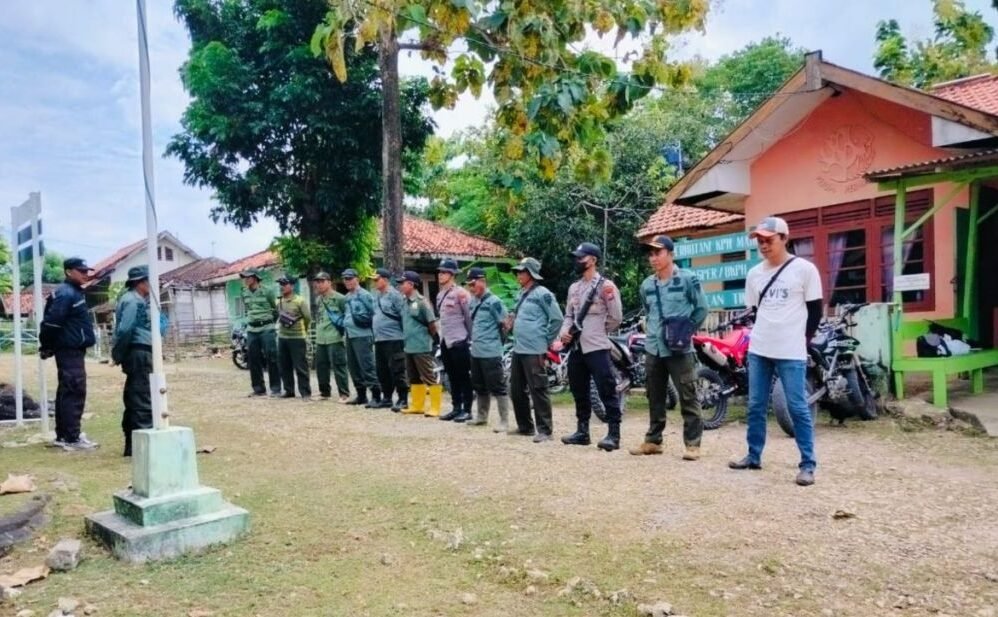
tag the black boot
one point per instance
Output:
(612, 440)
(128, 445)
(360, 399)
(375, 401)
(386, 399)
(465, 414)
(580, 437)
(450, 415)
(403, 401)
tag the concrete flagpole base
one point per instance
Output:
(167, 513)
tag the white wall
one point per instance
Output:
(180, 258)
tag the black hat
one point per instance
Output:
(285, 280)
(76, 263)
(474, 274)
(662, 242)
(322, 276)
(410, 276)
(587, 248)
(250, 272)
(349, 273)
(448, 265)
(384, 273)
(138, 273)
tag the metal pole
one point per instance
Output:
(36, 254)
(158, 381)
(18, 376)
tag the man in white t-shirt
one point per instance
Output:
(786, 292)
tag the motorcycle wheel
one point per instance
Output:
(239, 359)
(713, 404)
(778, 399)
(597, 405)
(557, 379)
(862, 400)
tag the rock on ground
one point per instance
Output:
(65, 555)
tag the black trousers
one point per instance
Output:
(294, 363)
(598, 366)
(389, 360)
(528, 383)
(682, 370)
(457, 363)
(71, 395)
(360, 360)
(137, 395)
(263, 354)
(487, 376)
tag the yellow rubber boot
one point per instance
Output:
(436, 397)
(417, 399)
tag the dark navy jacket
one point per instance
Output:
(67, 323)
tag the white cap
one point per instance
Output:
(770, 226)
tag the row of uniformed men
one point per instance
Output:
(385, 340)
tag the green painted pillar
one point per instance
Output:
(899, 206)
(970, 274)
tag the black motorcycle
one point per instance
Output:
(240, 348)
(837, 378)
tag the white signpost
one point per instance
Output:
(26, 236)
(912, 282)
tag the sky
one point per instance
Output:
(70, 124)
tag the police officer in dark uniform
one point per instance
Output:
(598, 297)
(132, 350)
(67, 331)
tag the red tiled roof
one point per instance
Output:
(107, 264)
(263, 259)
(194, 272)
(673, 217)
(423, 237)
(27, 299)
(979, 92)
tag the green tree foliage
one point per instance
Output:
(554, 93)
(273, 133)
(960, 48)
(552, 217)
(52, 271)
(6, 277)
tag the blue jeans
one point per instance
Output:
(791, 373)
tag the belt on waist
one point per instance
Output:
(258, 324)
(141, 346)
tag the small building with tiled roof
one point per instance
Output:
(195, 309)
(27, 300)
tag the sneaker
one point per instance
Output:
(58, 442)
(805, 477)
(744, 463)
(692, 453)
(542, 437)
(255, 394)
(81, 444)
(344, 398)
(646, 448)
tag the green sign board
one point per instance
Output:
(732, 298)
(729, 271)
(716, 245)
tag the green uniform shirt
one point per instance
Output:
(296, 307)
(487, 315)
(360, 309)
(537, 320)
(325, 332)
(681, 296)
(260, 308)
(132, 326)
(416, 320)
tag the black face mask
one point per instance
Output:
(580, 266)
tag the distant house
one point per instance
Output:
(27, 300)
(193, 309)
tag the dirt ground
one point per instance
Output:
(361, 512)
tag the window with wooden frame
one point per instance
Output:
(852, 245)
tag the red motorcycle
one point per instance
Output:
(723, 370)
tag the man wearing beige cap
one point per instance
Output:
(785, 292)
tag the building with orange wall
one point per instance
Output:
(804, 154)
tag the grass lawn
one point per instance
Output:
(360, 512)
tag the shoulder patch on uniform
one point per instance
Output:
(609, 291)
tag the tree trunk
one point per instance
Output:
(392, 238)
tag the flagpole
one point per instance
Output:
(158, 381)
(18, 375)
